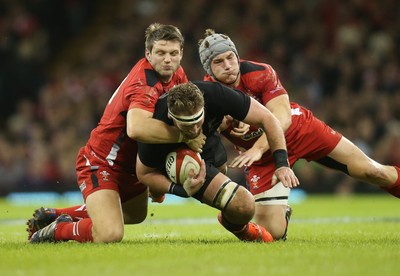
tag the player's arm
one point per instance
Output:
(157, 182)
(253, 154)
(142, 127)
(260, 116)
(280, 107)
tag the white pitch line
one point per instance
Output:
(193, 221)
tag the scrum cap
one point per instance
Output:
(212, 46)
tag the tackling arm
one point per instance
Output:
(260, 116)
(280, 107)
(143, 128)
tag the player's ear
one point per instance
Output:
(147, 55)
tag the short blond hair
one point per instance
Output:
(184, 99)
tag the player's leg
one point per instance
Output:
(105, 211)
(234, 201)
(99, 187)
(44, 216)
(77, 212)
(274, 218)
(272, 211)
(237, 208)
(104, 204)
(135, 209)
(104, 225)
(363, 168)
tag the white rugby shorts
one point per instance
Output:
(277, 195)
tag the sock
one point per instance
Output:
(80, 231)
(76, 212)
(395, 188)
(232, 227)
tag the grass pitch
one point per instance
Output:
(328, 235)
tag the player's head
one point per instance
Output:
(218, 55)
(164, 49)
(186, 109)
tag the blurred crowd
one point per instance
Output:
(62, 60)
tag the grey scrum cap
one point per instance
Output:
(212, 46)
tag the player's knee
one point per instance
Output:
(244, 202)
(277, 230)
(108, 234)
(273, 219)
(242, 205)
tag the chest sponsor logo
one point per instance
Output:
(252, 135)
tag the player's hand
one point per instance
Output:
(246, 158)
(197, 143)
(194, 182)
(239, 129)
(286, 176)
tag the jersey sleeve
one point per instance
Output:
(143, 97)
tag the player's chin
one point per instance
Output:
(167, 71)
(224, 79)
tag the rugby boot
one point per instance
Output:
(46, 234)
(41, 218)
(251, 232)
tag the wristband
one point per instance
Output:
(280, 158)
(177, 190)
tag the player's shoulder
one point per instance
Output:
(216, 93)
(247, 66)
(207, 86)
(180, 74)
(256, 76)
(143, 74)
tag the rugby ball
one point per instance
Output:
(178, 164)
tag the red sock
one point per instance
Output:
(395, 188)
(76, 212)
(80, 231)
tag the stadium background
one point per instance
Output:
(60, 61)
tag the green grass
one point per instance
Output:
(327, 236)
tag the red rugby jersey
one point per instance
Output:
(108, 142)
